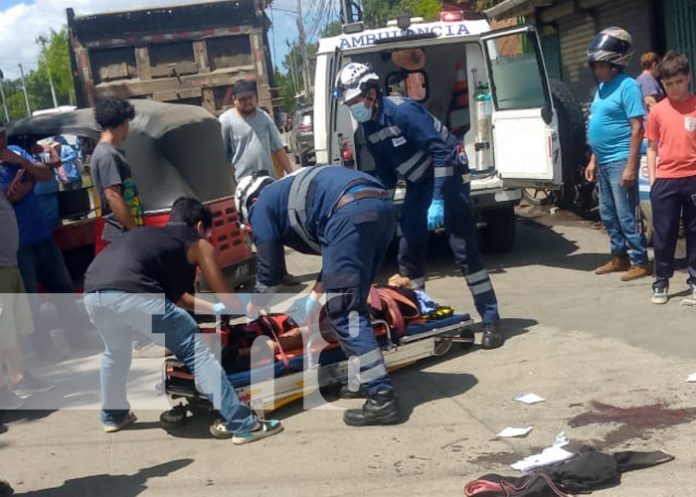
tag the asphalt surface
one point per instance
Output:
(611, 367)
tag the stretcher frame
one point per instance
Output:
(269, 395)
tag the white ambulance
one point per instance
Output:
(490, 88)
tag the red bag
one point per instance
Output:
(534, 485)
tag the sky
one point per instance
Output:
(21, 21)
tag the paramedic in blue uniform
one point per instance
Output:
(348, 217)
(407, 141)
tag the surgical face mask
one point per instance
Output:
(360, 112)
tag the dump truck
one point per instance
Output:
(189, 54)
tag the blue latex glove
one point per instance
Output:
(436, 214)
(303, 308)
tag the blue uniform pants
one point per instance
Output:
(461, 231)
(354, 242)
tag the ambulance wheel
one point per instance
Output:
(442, 346)
(572, 136)
(498, 234)
(174, 418)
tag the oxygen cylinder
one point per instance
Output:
(484, 113)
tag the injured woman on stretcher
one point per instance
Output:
(278, 337)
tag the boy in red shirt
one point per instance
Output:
(671, 135)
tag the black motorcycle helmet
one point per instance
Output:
(612, 45)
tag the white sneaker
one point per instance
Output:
(660, 296)
(691, 299)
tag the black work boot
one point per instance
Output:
(379, 409)
(492, 337)
(347, 393)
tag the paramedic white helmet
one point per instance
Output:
(354, 80)
(248, 190)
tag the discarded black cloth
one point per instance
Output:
(592, 470)
(589, 470)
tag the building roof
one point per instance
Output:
(515, 8)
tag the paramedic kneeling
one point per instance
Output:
(144, 280)
(348, 217)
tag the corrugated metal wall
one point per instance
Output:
(576, 32)
(680, 20)
(635, 16)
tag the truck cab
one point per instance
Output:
(490, 88)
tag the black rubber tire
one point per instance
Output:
(173, 418)
(572, 136)
(498, 234)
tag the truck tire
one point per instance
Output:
(498, 234)
(572, 136)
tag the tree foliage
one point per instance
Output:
(376, 13)
(54, 57)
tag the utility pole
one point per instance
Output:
(347, 11)
(42, 41)
(2, 94)
(293, 69)
(24, 87)
(306, 78)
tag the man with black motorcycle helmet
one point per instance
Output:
(615, 133)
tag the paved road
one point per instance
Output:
(574, 338)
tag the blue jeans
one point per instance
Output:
(617, 208)
(42, 263)
(117, 314)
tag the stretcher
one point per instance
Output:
(319, 363)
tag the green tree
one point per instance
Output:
(376, 13)
(55, 57)
(481, 5)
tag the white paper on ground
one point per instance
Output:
(548, 456)
(511, 432)
(561, 440)
(528, 398)
(691, 378)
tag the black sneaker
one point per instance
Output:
(264, 428)
(492, 337)
(29, 385)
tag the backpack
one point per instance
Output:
(394, 305)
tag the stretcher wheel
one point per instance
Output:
(174, 418)
(442, 346)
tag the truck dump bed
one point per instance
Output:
(189, 54)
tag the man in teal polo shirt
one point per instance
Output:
(615, 134)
